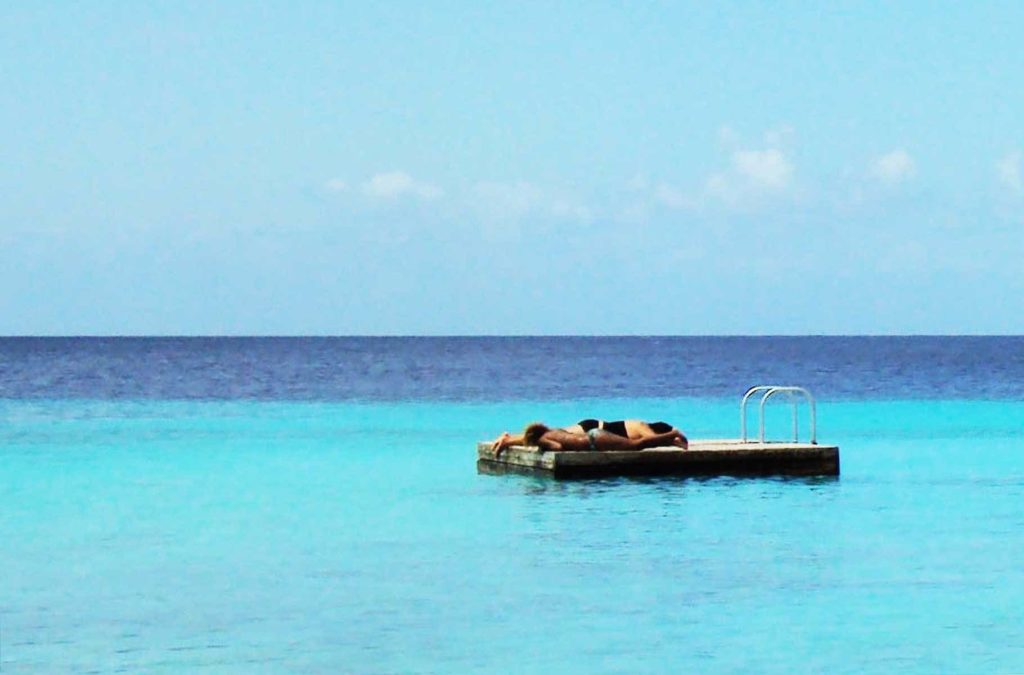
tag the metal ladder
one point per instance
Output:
(771, 390)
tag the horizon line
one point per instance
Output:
(248, 336)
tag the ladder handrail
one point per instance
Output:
(790, 391)
(743, 407)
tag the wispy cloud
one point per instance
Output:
(1009, 174)
(753, 176)
(398, 184)
(513, 201)
(753, 173)
(894, 167)
(779, 135)
(765, 169)
(571, 210)
(506, 201)
(336, 185)
(727, 136)
(673, 197)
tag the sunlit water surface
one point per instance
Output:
(241, 535)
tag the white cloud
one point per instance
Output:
(752, 176)
(336, 185)
(782, 135)
(673, 197)
(568, 209)
(396, 184)
(727, 136)
(496, 201)
(779, 135)
(638, 183)
(645, 198)
(1008, 171)
(506, 201)
(894, 167)
(634, 213)
(766, 169)
(719, 186)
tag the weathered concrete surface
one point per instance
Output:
(725, 457)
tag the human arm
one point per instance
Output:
(506, 439)
(548, 445)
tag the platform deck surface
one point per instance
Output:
(703, 458)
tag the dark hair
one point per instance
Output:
(533, 432)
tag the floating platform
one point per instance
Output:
(730, 457)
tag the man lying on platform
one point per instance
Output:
(593, 435)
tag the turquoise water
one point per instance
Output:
(343, 537)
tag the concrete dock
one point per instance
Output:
(724, 457)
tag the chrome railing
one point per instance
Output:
(771, 390)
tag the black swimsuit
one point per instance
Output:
(618, 427)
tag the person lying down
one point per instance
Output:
(595, 435)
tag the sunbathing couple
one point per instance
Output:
(593, 435)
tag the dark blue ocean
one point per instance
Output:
(471, 369)
(240, 505)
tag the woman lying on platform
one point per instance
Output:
(554, 440)
(632, 429)
(627, 429)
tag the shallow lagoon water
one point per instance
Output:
(319, 536)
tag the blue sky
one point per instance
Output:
(511, 168)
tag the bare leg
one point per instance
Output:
(673, 437)
(608, 441)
